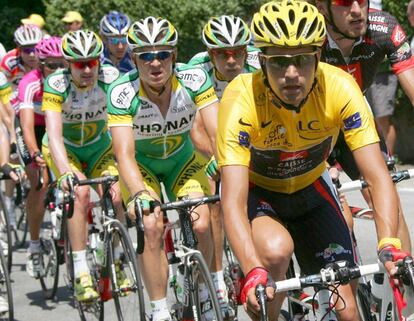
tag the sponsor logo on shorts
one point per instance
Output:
(330, 253)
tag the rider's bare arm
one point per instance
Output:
(236, 223)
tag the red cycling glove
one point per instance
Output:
(257, 275)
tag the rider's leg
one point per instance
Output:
(34, 206)
(388, 131)
(274, 246)
(154, 265)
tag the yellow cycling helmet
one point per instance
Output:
(288, 23)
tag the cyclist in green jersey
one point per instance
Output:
(151, 111)
(77, 142)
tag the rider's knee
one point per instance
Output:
(276, 254)
(82, 195)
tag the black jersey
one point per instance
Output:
(384, 38)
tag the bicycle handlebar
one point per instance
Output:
(98, 180)
(189, 202)
(361, 184)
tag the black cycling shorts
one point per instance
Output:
(313, 218)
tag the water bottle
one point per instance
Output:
(377, 291)
(99, 250)
(56, 215)
(180, 286)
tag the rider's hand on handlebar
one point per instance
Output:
(257, 275)
(143, 199)
(15, 171)
(66, 181)
(38, 160)
(389, 252)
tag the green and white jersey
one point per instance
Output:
(202, 59)
(156, 136)
(84, 112)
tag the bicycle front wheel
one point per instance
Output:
(205, 303)
(6, 295)
(50, 266)
(5, 233)
(127, 289)
(20, 233)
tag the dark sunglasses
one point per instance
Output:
(347, 3)
(227, 53)
(28, 50)
(115, 41)
(283, 62)
(152, 55)
(83, 64)
(53, 65)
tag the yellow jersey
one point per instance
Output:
(286, 150)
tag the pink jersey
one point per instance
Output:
(30, 95)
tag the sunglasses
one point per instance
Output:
(347, 3)
(83, 64)
(115, 40)
(53, 65)
(152, 55)
(283, 62)
(28, 50)
(227, 53)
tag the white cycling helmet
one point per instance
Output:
(152, 31)
(226, 31)
(28, 35)
(81, 44)
(114, 24)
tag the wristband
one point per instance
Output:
(395, 242)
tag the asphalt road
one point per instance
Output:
(31, 306)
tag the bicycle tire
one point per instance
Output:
(363, 303)
(50, 278)
(7, 238)
(284, 316)
(22, 228)
(129, 307)
(6, 288)
(200, 272)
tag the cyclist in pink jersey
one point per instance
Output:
(30, 92)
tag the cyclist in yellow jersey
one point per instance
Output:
(276, 129)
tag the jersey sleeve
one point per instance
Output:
(236, 124)
(199, 84)
(123, 100)
(55, 91)
(5, 89)
(26, 92)
(356, 120)
(396, 45)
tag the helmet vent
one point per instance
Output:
(313, 26)
(282, 25)
(301, 26)
(292, 17)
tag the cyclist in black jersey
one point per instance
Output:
(358, 41)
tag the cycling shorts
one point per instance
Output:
(313, 218)
(181, 174)
(93, 160)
